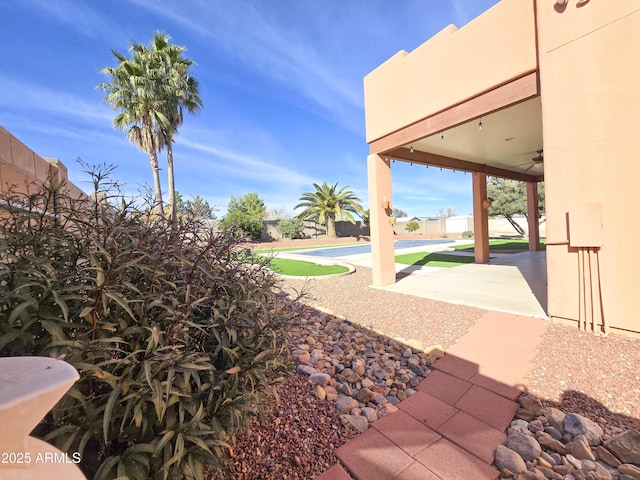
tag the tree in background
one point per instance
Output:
(412, 226)
(291, 228)
(446, 212)
(180, 93)
(150, 90)
(398, 213)
(133, 93)
(244, 216)
(366, 216)
(509, 198)
(328, 204)
(198, 208)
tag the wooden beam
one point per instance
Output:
(516, 91)
(431, 159)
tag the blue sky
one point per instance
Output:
(281, 82)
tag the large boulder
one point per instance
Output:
(525, 445)
(509, 460)
(625, 446)
(576, 424)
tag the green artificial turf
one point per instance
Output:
(434, 259)
(292, 249)
(299, 268)
(503, 245)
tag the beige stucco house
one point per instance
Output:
(557, 81)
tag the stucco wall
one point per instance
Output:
(453, 66)
(589, 71)
(21, 167)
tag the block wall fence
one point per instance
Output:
(21, 167)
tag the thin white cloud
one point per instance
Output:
(35, 97)
(79, 16)
(255, 35)
(249, 166)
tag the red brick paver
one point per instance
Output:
(406, 432)
(372, 455)
(449, 429)
(450, 462)
(334, 473)
(488, 406)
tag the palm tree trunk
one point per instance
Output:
(156, 178)
(331, 227)
(172, 188)
(153, 158)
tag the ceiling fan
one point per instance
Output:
(537, 160)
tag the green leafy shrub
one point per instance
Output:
(467, 234)
(412, 226)
(244, 216)
(177, 341)
(291, 228)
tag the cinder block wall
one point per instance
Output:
(21, 167)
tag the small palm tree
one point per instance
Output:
(327, 204)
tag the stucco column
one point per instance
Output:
(532, 216)
(382, 254)
(480, 218)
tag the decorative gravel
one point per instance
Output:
(397, 315)
(598, 377)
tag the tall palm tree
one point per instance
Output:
(133, 92)
(181, 92)
(328, 204)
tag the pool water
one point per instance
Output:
(356, 249)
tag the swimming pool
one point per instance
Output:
(356, 249)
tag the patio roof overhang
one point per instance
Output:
(498, 133)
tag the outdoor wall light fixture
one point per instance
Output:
(385, 203)
(441, 136)
(411, 148)
(480, 125)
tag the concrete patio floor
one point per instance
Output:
(511, 282)
(450, 428)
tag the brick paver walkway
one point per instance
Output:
(450, 428)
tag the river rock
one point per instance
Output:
(547, 442)
(332, 394)
(385, 409)
(360, 422)
(526, 446)
(625, 446)
(369, 413)
(555, 418)
(300, 356)
(365, 395)
(320, 393)
(606, 456)
(321, 379)
(306, 369)
(629, 469)
(579, 448)
(576, 424)
(434, 352)
(509, 459)
(344, 404)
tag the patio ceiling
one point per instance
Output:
(504, 147)
(509, 139)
